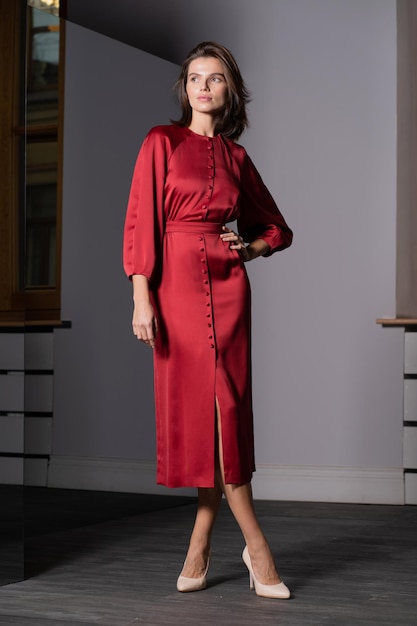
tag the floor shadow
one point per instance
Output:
(62, 525)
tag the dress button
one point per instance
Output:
(204, 206)
(208, 304)
(210, 166)
(206, 282)
(203, 260)
(209, 325)
(212, 345)
(204, 271)
(200, 239)
(207, 314)
(207, 293)
(210, 336)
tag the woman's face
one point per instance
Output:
(206, 85)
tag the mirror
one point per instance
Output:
(42, 150)
(26, 357)
(99, 125)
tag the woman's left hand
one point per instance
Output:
(236, 243)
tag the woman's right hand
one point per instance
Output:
(144, 323)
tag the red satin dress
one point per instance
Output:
(185, 187)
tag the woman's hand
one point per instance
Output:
(235, 242)
(144, 322)
(253, 250)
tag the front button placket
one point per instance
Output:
(206, 292)
(210, 177)
(204, 207)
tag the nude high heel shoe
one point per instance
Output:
(185, 584)
(266, 591)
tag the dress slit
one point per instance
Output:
(218, 438)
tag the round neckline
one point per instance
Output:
(198, 134)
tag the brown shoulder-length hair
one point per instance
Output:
(233, 119)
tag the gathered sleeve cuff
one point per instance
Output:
(144, 223)
(259, 216)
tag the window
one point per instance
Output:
(31, 73)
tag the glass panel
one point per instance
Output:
(41, 200)
(40, 236)
(42, 68)
(51, 6)
(40, 178)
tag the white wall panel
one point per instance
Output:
(410, 400)
(410, 488)
(410, 447)
(410, 353)
(11, 433)
(35, 472)
(38, 435)
(12, 391)
(11, 351)
(11, 471)
(39, 392)
(39, 351)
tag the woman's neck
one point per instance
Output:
(203, 125)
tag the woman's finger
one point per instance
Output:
(232, 237)
(145, 333)
(236, 242)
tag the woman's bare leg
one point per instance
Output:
(198, 552)
(240, 500)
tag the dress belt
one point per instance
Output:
(193, 227)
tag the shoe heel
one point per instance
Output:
(279, 590)
(251, 585)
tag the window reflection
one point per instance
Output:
(42, 68)
(41, 179)
(52, 6)
(41, 201)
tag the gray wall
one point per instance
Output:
(103, 377)
(327, 380)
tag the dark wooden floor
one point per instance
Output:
(113, 559)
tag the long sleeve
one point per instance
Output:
(144, 222)
(259, 216)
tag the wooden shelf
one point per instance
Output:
(395, 322)
(33, 325)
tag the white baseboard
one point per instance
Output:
(271, 482)
(359, 485)
(105, 474)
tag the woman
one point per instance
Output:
(192, 301)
